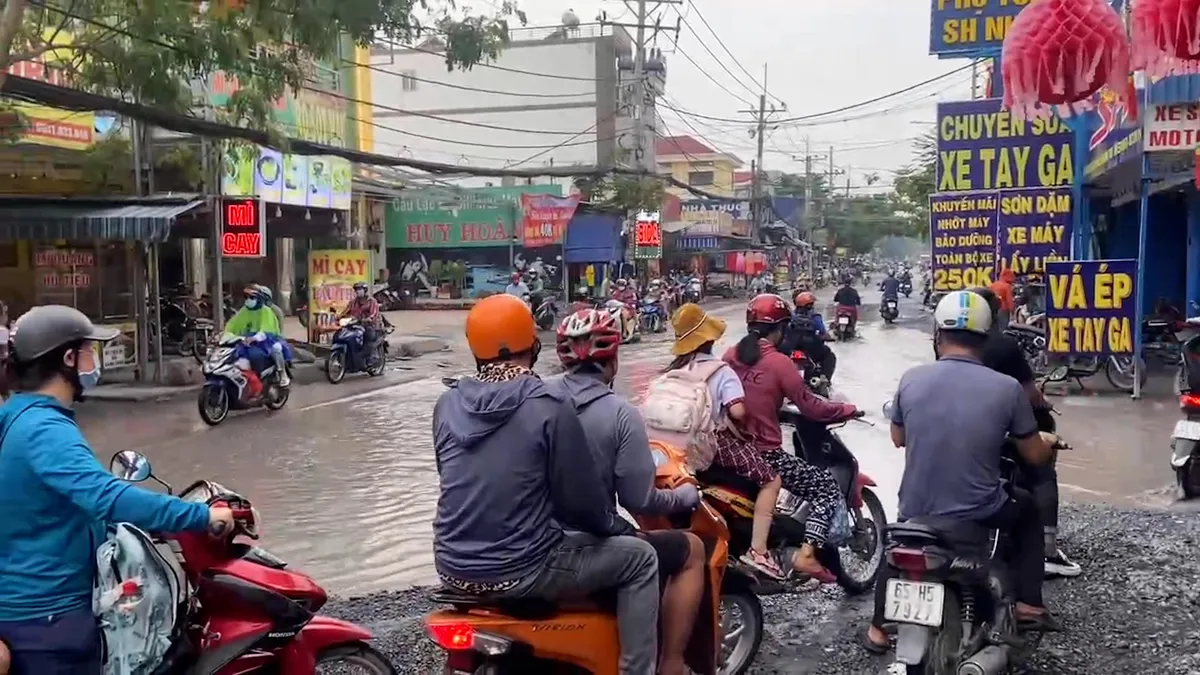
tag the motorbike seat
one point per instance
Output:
(721, 477)
(520, 608)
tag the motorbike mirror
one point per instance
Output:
(130, 466)
(449, 381)
(887, 410)
(1058, 374)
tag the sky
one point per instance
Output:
(820, 55)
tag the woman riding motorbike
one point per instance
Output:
(768, 378)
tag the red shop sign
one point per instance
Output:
(649, 233)
(243, 231)
(545, 218)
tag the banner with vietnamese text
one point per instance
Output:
(1091, 306)
(545, 218)
(1034, 228)
(331, 278)
(962, 232)
(981, 146)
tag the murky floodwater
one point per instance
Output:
(347, 488)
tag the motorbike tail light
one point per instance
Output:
(1189, 401)
(462, 636)
(909, 560)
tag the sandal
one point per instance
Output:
(1039, 623)
(864, 639)
(763, 563)
(821, 573)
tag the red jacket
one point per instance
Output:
(770, 381)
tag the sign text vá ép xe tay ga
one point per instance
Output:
(1101, 301)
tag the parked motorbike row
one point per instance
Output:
(511, 637)
(187, 323)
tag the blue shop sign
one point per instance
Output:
(1115, 137)
(961, 27)
(698, 243)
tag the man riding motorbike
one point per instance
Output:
(366, 309)
(56, 499)
(516, 286)
(257, 322)
(807, 333)
(768, 378)
(521, 513)
(952, 471)
(1002, 354)
(587, 346)
(890, 287)
(537, 289)
(847, 298)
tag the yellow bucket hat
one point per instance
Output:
(693, 327)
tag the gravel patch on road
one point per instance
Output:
(1135, 609)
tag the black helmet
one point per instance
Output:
(360, 286)
(43, 329)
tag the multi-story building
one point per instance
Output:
(693, 162)
(556, 96)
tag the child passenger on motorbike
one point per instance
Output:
(56, 499)
(695, 334)
(257, 322)
(587, 346)
(520, 513)
(768, 378)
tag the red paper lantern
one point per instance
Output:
(1057, 53)
(1165, 32)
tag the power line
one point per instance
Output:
(511, 70)
(736, 62)
(705, 73)
(714, 56)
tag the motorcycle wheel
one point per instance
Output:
(187, 345)
(363, 656)
(868, 539)
(200, 348)
(1118, 370)
(213, 404)
(335, 367)
(281, 397)
(741, 634)
(380, 361)
(941, 656)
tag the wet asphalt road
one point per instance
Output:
(345, 481)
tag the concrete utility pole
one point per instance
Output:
(643, 99)
(757, 194)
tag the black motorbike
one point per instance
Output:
(348, 353)
(734, 497)
(906, 287)
(816, 380)
(1185, 438)
(889, 309)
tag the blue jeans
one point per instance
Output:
(64, 644)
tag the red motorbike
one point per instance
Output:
(845, 321)
(248, 613)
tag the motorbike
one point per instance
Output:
(948, 600)
(511, 637)
(817, 444)
(843, 322)
(347, 353)
(651, 316)
(906, 287)
(228, 387)
(693, 291)
(627, 319)
(546, 313)
(813, 377)
(1185, 439)
(1118, 370)
(248, 612)
(889, 309)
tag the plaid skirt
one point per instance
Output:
(741, 457)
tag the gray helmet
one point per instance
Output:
(43, 329)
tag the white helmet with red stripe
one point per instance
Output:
(588, 335)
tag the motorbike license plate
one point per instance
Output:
(892, 305)
(844, 320)
(917, 602)
(1187, 429)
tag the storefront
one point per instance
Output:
(91, 254)
(450, 243)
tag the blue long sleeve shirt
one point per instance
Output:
(55, 501)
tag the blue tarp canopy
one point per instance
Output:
(145, 219)
(593, 238)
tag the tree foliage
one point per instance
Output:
(625, 194)
(155, 52)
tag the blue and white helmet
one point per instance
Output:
(963, 310)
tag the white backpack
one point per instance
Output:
(140, 598)
(678, 411)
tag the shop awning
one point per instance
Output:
(147, 219)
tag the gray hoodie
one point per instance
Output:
(617, 437)
(512, 476)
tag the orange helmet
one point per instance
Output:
(499, 326)
(805, 299)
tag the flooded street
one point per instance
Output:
(347, 486)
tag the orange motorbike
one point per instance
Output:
(502, 637)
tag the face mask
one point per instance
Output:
(360, 294)
(89, 379)
(252, 303)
